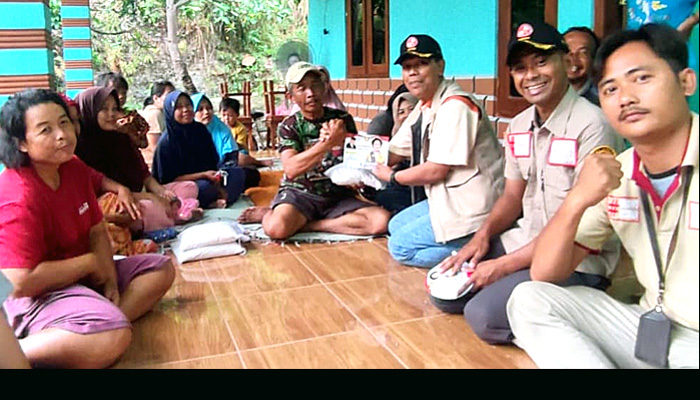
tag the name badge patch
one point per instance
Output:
(623, 208)
(693, 215)
(520, 144)
(563, 152)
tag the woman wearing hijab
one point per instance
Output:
(116, 155)
(226, 146)
(395, 197)
(186, 152)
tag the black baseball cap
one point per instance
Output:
(422, 46)
(539, 35)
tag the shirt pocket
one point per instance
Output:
(558, 181)
(460, 176)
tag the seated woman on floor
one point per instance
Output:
(226, 146)
(116, 202)
(72, 305)
(116, 155)
(186, 152)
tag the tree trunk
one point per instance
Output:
(171, 41)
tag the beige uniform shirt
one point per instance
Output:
(457, 133)
(155, 118)
(622, 213)
(549, 157)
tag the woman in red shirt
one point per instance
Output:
(72, 304)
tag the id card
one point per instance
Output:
(563, 152)
(520, 144)
(653, 338)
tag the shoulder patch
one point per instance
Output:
(466, 101)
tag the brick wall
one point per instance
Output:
(364, 98)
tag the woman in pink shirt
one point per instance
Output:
(72, 305)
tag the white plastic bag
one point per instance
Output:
(343, 175)
(202, 253)
(211, 233)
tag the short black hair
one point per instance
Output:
(116, 79)
(228, 103)
(13, 128)
(159, 87)
(377, 140)
(587, 30)
(663, 40)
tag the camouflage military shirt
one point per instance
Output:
(298, 133)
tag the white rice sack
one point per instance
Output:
(211, 233)
(343, 175)
(203, 253)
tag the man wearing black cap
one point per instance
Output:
(546, 145)
(455, 158)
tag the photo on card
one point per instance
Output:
(365, 151)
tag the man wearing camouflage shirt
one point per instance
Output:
(311, 141)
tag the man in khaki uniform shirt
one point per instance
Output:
(545, 147)
(643, 81)
(461, 163)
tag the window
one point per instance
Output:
(511, 13)
(367, 24)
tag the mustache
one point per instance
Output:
(631, 110)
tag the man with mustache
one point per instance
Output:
(455, 159)
(545, 147)
(648, 196)
(310, 142)
(582, 43)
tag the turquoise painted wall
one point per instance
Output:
(575, 13)
(26, 61)
(24, 16)
(469, 50)
(466, 30)
(328, 49)
(693, 100)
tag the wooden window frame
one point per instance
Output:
(507, 105)
(367, 69)
(607, 18)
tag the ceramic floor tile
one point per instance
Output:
(349, 262)
(387, 298)
(297, 247)
(446, 341)
(259, 273)
(284, 316)
(382, 242)
(357, 349)
(190, 285)
(226, 361)
(266, 248)
(175, 331)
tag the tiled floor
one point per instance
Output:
(346, 305)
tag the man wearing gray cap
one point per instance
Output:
(310, 142)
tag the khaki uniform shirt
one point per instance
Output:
(155, 118)
(622, 213)
(457, 133)
(549, 157)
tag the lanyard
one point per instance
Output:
(674, 238)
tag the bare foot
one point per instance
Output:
(221, 203)
(253, 215)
